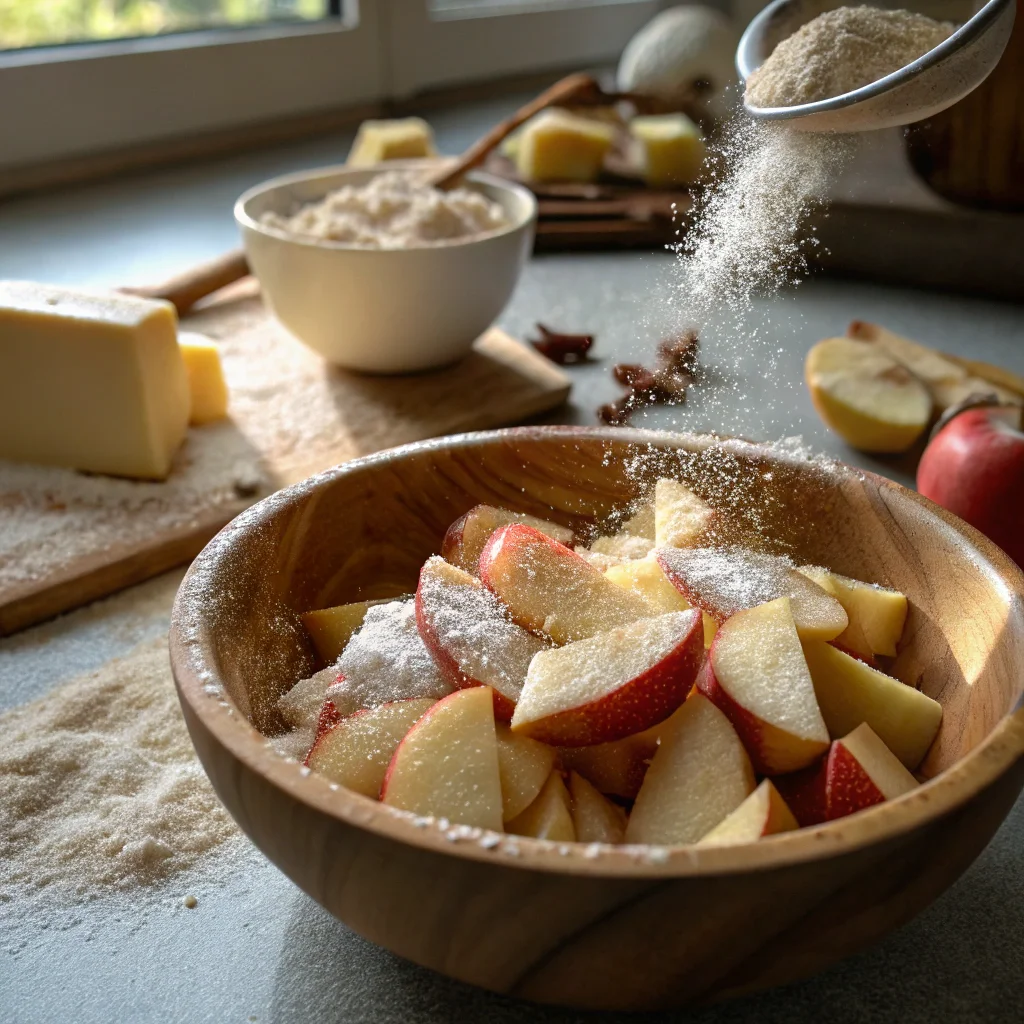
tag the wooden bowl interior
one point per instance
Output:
(363, 531)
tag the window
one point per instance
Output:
(81, 77)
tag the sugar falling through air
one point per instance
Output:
(749, 242)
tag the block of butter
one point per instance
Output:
(404, 138)
(669, 149)
(90, 380)
(559, 146)
(206, 384)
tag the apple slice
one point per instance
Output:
(647, 579)
(330, 629)
(850, 692)
(548, 588)
(470, 636)
(622, 545)
(763, 813)
(681, 519)
(300, 706)
(524, 766)
(356, 751)
(595, 818)
(700, 774)
(597, 559)
(612, 685)
(548, 817)
(869, 399)
(467, 536)
(859, 771)
(757, 675)
(641, 522)
(724, 581)
(616, 768)
(447, 764)
(877, 615)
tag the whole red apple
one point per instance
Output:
(974, 466)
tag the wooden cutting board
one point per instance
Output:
(68, 538)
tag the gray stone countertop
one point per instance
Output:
(258, 949)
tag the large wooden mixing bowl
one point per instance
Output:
(615, 927)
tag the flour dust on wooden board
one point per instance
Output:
(290, 415)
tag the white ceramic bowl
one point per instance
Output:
(383, 310)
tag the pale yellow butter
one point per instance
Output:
(670, 149)
(559, 146)
(89, 380)
(405, 138)
(208, 389)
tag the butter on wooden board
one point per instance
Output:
(90, 380)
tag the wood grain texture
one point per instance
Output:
(619, 930)
(291, 416)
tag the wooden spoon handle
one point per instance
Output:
(574, 87)
(185, 290)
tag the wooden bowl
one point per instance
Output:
(613, 927)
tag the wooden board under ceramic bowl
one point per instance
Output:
(68, 539)
(616, 927)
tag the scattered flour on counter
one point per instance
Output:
(100, 789)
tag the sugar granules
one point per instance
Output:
(100, 789)
(842, 50)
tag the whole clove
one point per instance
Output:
(561, 347)
(675, 370)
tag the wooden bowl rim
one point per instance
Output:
(199, 689)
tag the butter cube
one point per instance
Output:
(89, 380)
(405, 138)
(206, 384)
(670, 149)
(559, 146)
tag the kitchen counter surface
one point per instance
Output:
(256, 948)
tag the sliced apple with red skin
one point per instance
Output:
(616, 768)
(595, 818)
(859, 772)
(850, 692)
(355, 751)
(757, 675)
(877, 614)
(548, 588)
(646, 578)
(681, 519)
(447, 763)
(524, 765)
(548, 817)
(763, 813)
(467, 536)
(700, 774)
(724, 581)
(612, 685)
(470, 635)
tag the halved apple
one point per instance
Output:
(467, 536)
(681, 519)
(872, 401)
(877, 615)
(763, 813)
(524, 765)
(447, 763)
(595, 818)
(700, 774)
(548, 817)
(548, 588)
(469, 634)
(724, 581)
(616, 768)
(859, 771)
(757, 675)
(612, 685)
(356, 751)
(850, 692)
(330, 629)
